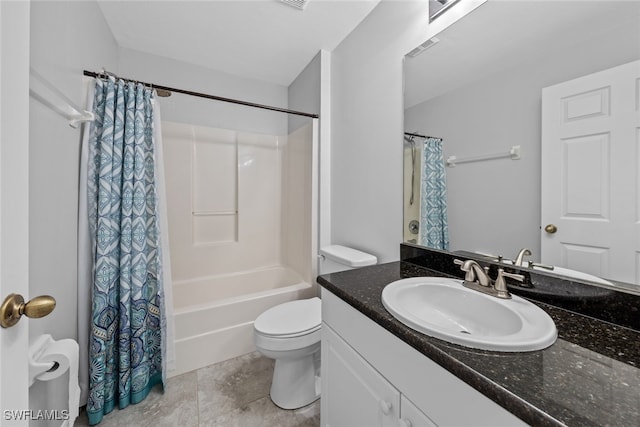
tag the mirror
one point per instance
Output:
(438, 7)
(479, 88)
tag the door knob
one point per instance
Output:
(14, 307)
(550, 228)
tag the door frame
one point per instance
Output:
(14, 204)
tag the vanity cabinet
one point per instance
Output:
(357, 394)
(372, 378)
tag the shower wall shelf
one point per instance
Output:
(213, 213)
(50, 96)
(513, 154)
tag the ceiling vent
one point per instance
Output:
(424, 46)
(298, 4)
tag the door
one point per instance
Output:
(14, 209)
(590, 205)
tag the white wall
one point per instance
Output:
(311, 92)
(66, 37)
(367, 123)
(494, 206)
(204, 112)
(304, 94)
(61, 48)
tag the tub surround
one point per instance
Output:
(590, 376)
(242, 223)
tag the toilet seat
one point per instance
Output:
(291, 319)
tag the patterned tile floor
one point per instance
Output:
(230, 393)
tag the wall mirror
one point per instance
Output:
(438, 7)
(478, 88)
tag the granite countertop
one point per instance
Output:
(589, 377)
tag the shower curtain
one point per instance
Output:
(434, 230)
(124, 283)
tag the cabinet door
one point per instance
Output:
(353, 393)
(411, 416)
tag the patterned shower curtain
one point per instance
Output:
(434, 230)
(127, 336)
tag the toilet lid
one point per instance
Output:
(290, 318)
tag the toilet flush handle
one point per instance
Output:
(385, 407)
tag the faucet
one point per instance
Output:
(519, 258)
(474, 272)
(477, 278)
(500, 286)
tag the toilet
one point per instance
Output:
(290, 334)
(337, 258)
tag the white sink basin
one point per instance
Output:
(444, 309)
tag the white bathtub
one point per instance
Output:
(214, 315)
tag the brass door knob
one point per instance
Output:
(14, 307)
(551, 228)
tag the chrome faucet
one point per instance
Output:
(519, 258)
(500, 286)
(474, 272)
(477, 278)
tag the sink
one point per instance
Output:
(570, 274)
(444, 309)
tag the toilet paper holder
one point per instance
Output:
(49, 360)
(37, 368)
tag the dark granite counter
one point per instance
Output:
(589, 377)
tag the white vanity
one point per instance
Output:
(376, 371)
(372, 378)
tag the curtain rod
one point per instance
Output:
(417, 135)
(207, 96)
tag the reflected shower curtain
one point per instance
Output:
(434, 230)
(124, 256)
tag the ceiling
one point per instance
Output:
(500, 35)
(259, 39)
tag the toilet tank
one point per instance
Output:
(336, 258)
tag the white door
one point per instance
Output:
(590, 181)
(14, 198)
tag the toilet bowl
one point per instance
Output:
(290, 334)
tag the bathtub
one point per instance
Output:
(214, 315)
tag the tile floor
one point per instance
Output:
(230, 393)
